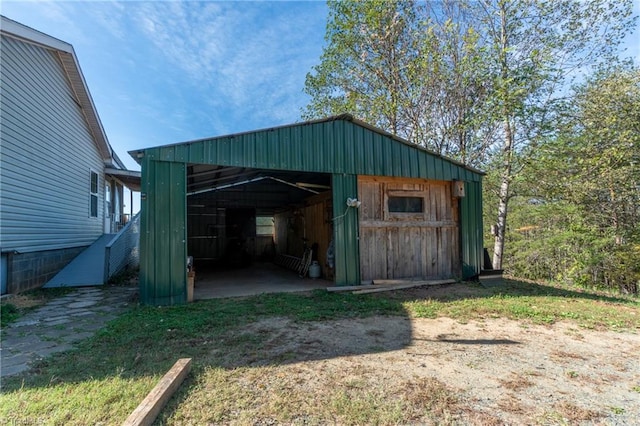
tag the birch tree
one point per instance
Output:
(536, 49)
(477, 80)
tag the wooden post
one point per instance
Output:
(151, 406)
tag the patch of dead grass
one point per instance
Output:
(511, 404)
(432, 394)
(516, 382)
(567, 355)
(26, 302)
(574, 413)
(480, 418)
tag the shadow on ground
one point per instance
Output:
(499, 287)
(269, 329)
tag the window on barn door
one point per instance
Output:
(403, 205)
(406, 204)
(93, 194)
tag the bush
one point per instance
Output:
(554, 243)
(8, 313)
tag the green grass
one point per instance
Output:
(15, 307)
(8, 313)
(108, 375)
(535, 303)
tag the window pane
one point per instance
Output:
(264, 225)
(107, 199)
(94, 206)
(406, 205)
(94, 183)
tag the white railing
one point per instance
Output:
(123, 250)
(118, 222)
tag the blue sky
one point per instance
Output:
(166, 72)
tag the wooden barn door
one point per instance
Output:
(409, 228)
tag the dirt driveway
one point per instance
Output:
(495, 371)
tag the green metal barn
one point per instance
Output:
(389, 209)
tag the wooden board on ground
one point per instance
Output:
(365, 285)
(150, 407)
(338, 289)
(398, 285)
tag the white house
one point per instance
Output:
(61, 183)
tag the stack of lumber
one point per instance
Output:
(377, 286)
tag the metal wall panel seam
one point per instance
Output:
(327, 147)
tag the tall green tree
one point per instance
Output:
(595, 158)
(455, 118)
(478, 80)
(413, 69)
(371, 52)
(579, 214)
(534, 48)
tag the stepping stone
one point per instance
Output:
(83, 304)
(13, 369)
(81, 313)
(43, 353)
(40, 346)
(41, 332)
(70, 338)
(61, 321)
(25, 322)
(49, 320)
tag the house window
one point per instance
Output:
(264, 225)
(93, 195)
(406, 204)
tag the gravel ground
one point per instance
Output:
(502, 371)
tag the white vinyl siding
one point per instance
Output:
(45, 157)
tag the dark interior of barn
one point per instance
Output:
(244, 225)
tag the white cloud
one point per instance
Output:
(162, 72)
(249, 58)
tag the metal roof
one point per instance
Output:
(339, 144)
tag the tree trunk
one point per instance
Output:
(503, 197)
(614, 214)
(507, 150)
(498, 247)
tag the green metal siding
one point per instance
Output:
(340, 146)
(345, 230)
(336, 146)
(471, 229)
(163, 257)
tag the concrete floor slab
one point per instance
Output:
(257, 279)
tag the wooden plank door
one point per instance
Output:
(409, 228)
